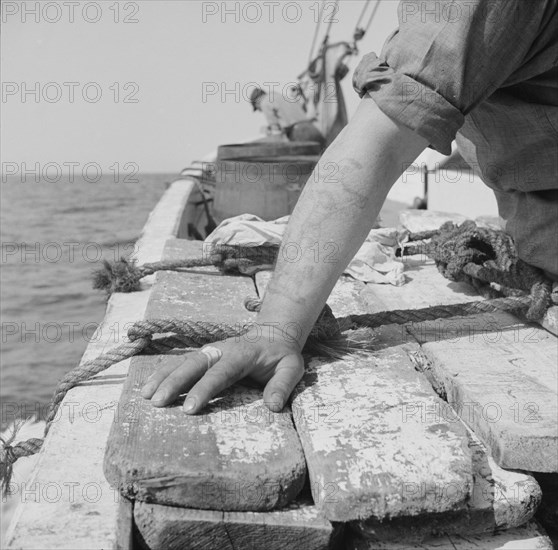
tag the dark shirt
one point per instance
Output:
(483, 72)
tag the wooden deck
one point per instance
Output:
(390, 454)
(427, 441)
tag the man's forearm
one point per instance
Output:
(334, 214)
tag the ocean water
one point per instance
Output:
(53, 236)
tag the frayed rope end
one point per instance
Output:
(120, 276)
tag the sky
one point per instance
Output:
(154, 83)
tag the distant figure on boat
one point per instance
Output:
(316, 109)
(288, 115)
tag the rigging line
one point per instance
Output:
(316, 32)
(372, 15)
(364, 10)
(331, 20)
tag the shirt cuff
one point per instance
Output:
(409, 102)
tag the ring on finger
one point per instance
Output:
(212, 354)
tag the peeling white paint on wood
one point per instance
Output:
(500, 499)
(236, 455)
(368, 452)
(501, 376)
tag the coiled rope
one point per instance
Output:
(483, 258)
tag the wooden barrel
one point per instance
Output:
(266, 187)
(267, 149)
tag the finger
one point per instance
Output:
(171, 363)
(222, 375)
(181, 379)
(288, 374)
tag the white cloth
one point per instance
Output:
(375, 262)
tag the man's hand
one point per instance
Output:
(277, 365)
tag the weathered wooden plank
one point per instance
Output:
(500, 499)
(236, 456)
(501, 377)
(550, 320)
(299, 526)
(547, 514)
(424, 287)
(365, 458)
(527, 537)
(368, 454)
(201, 294)
(522, 373)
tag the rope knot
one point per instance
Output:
(9, 454)
(7, 461)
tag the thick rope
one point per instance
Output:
(89, 369)
(10, 454)
(517, 305)
(125, 276)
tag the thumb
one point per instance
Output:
(288, 374)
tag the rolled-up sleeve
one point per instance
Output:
(446, 57)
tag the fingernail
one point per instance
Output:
(146, 390)
(277, 401)
(159, 396)
(189, 404)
